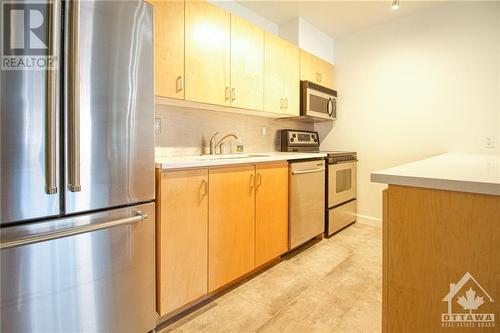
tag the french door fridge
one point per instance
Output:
(77, 171)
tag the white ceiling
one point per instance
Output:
(336, 18)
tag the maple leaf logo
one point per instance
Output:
(470, 301)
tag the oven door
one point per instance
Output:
(341, 183)
(320, 104)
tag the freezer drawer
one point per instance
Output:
(307, 201)
(94, 281)
(341, 216)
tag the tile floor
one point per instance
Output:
(332, 285)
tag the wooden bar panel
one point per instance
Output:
(434, 238)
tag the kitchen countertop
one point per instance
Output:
(199, 161)
(474, 173)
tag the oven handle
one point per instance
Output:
(344, 162)
(300, 172)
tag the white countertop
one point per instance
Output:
(199, 161)
(475, 173)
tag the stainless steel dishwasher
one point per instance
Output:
(307, 201)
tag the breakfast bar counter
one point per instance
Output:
(441, 250)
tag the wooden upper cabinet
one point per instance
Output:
(308, 67)
(231, 224)
(271, 212)
(207, 56)
(315, 70)
(281, 75)
(291, 78)
(247, 64)
(182, 238)
(325, 70)
(169, 48)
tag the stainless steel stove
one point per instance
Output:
(340, 203)
(340, 182)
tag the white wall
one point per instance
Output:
(241, 11)
(306, 36)
(416, 87)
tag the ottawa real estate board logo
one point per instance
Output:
(466, 301)
(25, 36)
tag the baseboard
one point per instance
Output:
(369, 220)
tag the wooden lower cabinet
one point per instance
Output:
(271, 212)
(182, 236)
(214, 226)
(231, 224)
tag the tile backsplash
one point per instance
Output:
(188, 131)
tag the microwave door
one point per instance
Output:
(320, 105)
(109, 105)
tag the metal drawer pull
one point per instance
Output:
(180, 83)
(73, 231)
(299, 172)
(204, 184)
(233, 94)
(252, 180)
(259, 179)
(228, 94)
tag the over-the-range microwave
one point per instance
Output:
(317, 103)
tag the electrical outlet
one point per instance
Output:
(157, 125)
(489, 142)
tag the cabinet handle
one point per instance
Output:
(228, 94)
(286, 103)
(205, 187)
(233, 94)
(252, 180)
(259, 179)
(179, 83)
(320, 77)
(282, 103)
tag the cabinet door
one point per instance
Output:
(182, 235)
(207, 53)
(271, 212)
(290, 78)
(247, 64)
(273, 82)
(231, 224)
(325, 70)
(169, 48)
(308, 67)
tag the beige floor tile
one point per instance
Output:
(232, 314)
(276, 290)
(364, 317)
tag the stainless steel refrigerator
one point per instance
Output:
(77, 172)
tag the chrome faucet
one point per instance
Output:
(218, 146)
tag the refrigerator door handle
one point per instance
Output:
(74, 100)
(140, 216)
(51, 107)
